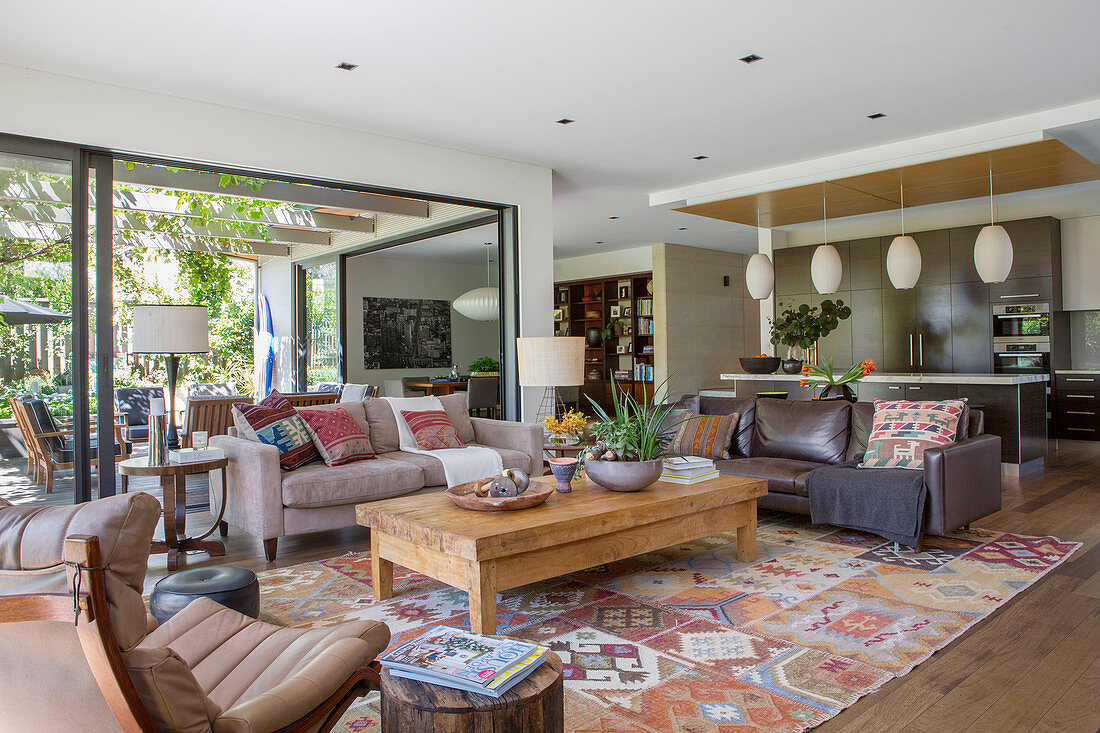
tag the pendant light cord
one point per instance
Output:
(991, 197)
(902, 185)
(825, 210)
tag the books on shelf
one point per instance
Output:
(644, 307)
(621, 374)
(643, 372)
(487, 665)
(645, 327)
(195, 455)
(647, 349)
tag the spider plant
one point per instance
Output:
(634, 431)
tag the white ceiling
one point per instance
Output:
(650, 83)
(465, 247)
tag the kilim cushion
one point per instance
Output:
(276, 401)
(708, 436)
(432, 429)
(284, 429)
(337, 437)
(902, 431)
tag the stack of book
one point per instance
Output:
(688, 470)
(487, 665)
(195, 455)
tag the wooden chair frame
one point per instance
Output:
(88, 606)
(212, 414)
(310, 399)
(44, 463)
(18, 411)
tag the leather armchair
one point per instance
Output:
(209, 669)
(964, 483)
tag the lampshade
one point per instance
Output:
(550, 361)
(759, 276)
(171, 329)
(903, 262)
(479, 304)
(826, 269)
(993, 254)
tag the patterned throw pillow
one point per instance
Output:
(902, 431)
(432, 429)
(337, 437)
(282, 428)
(707, 436)
(276, 401)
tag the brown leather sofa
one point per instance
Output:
(784, 440)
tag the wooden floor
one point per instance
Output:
(1033, 665)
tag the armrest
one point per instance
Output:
(964, 483)
(255, 497)
(525, 437)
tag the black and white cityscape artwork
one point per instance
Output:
(406, 333)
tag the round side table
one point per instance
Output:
(173, 484)
(535, 705)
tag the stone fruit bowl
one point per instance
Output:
(760, 364)
(464, 495)
(624, 475)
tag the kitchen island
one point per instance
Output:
(1014, 405)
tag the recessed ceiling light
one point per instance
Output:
(751, 58)
(565, 121)
(700, 157)
(683, 229)
(612, 217)
(599, 242)
(876, 116)
(347, 66)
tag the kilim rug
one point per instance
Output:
(687, 639)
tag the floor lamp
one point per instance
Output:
(171, 330)
(550, 362)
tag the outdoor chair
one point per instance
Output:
(311, 399)
(132, 404)
(357, 392)
(209, 389)
(25, 433)
(214, 414)
(336, 387)
(54, 444)
(483, 395)
(81, 652)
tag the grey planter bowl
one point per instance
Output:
(624, 475)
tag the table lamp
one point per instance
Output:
(171, 330)
(550, 362)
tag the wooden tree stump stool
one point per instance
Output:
(535, 705)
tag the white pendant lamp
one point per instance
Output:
(759, 276)
(903, 257)
(480, 304)
(826, 269)
(993, 248)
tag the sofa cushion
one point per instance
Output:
(706, 436)
(802, 430)
(318, 485)
(432, 429)
(433, 468)
(283, 428)
(903, 430)
(745, 407)
(383, 425)
(782, 473)
(459, 414)
(337, 436)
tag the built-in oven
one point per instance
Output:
(1021, 355)
(1021, 320)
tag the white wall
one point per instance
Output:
(56, 107)
(390, 277)
(1081, 263)
(604, 264)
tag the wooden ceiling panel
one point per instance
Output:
(1018, 168)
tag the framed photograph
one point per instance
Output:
(628, 311)
(200, 438)
(559, 314)
(614, 311)
(622, 349)
(563, 296)
(624, 292)
(628, 329)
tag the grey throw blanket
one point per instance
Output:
(884, 501)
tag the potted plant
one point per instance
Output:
(614, 327)
(837, 387)
(486, 366)
(800, 328)
(629, 454)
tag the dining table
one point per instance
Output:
(439, 388)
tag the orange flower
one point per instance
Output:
(805, 368)
(803, 383)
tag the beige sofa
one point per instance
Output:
(270, 503)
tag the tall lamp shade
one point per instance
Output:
(993, 254)
(903, 262)
(759, 276)
(550, 361)
(171, 329)
(826, 269)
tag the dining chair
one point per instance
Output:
(410, 391)
(393, 387)
(357, 392)
(483, 395)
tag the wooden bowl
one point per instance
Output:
(463, 495)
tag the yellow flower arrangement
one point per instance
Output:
(571, 423)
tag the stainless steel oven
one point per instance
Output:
(1021, 320)
(1021, 355)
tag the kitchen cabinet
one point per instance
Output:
(866, 325)
(792, 270)
(838, 344)
(971, 328)
(961, 241)
(1022, 290)
(899, 322)
(916, 329)
(935, 257)
(866, 260)
(1077, 405)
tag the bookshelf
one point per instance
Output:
(629, 353)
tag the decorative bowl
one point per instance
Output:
(624, 475)
(760, 364)
(464, 496)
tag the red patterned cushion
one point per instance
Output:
(337, 436)
(902, 431)
(432, 429)
(284, 429)
(276, 401)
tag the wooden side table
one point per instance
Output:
(173, 485)
(535, 705)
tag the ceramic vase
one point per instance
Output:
(593, 337)
(563, 469)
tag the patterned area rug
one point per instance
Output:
(687, 639)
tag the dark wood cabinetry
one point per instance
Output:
(868, 266)
(792, 271)
(1077, 406)
(971, 328)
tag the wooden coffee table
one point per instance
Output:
(483, 553)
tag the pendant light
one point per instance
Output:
(903, 257)
(993, 248)
(759, 273)
(826, 269)
(480, 304)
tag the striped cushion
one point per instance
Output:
(902, 431)
(283, 429)
(337, 437)
(707, 436)
(432, 429)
